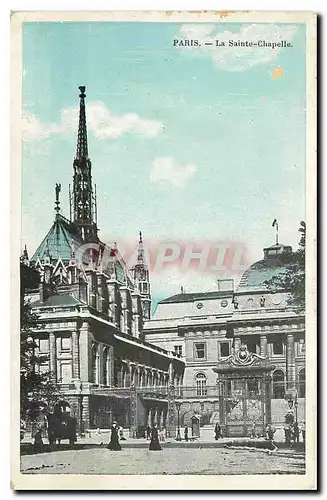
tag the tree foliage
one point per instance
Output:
(292, 279)
(34, 386)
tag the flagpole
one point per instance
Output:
(276, 233)
(275, 224)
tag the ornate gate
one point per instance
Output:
(245, 394)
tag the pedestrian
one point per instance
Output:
(270, 431)
(217, 431)
(121, 434)
(287, 432)
(163, 434)
(296, 432)
(303, 431)
(154, 443)
(253, 434)
(148, 431)
(38, 441)
(114, 444)
(186, 433)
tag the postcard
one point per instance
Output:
(163, 251)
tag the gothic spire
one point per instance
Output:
(141, 277)
(82, 150)
(140, 251)
(83, 199)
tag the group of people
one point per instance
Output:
(292, 433)
(161, 433)
(115, 438)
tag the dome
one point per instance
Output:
(272, 265)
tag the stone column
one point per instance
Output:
(128, 375)
(290, 362)
(171, 424)
(263, 345)
(53, 356)
(133, 407)
(119, 375)
(111, 366)
(170, 373)
(85, 412)
(159, 417)
(101, 369)
(75, 354)
(141, 377)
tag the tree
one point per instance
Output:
(292, 279)
(34, 386)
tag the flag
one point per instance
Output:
(275, 223)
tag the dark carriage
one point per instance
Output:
(61, 425)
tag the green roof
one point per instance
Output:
(58, 241)
(273, 265)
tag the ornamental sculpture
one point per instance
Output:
(243, 357)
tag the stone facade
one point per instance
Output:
(206, 328)
(91, 311)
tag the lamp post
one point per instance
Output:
(296, 404)
(178, 408)
(293, 402)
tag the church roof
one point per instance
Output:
(58, 300)
(272, 265)
(190, 297)
(58, 241)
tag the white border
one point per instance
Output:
(291, 482)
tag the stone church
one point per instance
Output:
(92, 310)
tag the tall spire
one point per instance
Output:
(82, 150)
(140, 251)
(141, 276)
(83, 200)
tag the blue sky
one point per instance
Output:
(185, 143)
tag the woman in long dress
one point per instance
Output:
(114, 441)
(154, 443)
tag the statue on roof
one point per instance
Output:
(57, 190)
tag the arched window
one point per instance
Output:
(201, 384)
(278, 384)
(95, 372)
(302, 383)
(106, 366)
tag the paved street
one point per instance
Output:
(167, 461)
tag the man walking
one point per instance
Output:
(186, 433)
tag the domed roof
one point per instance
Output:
(270, 266)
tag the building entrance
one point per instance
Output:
(244, 382)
